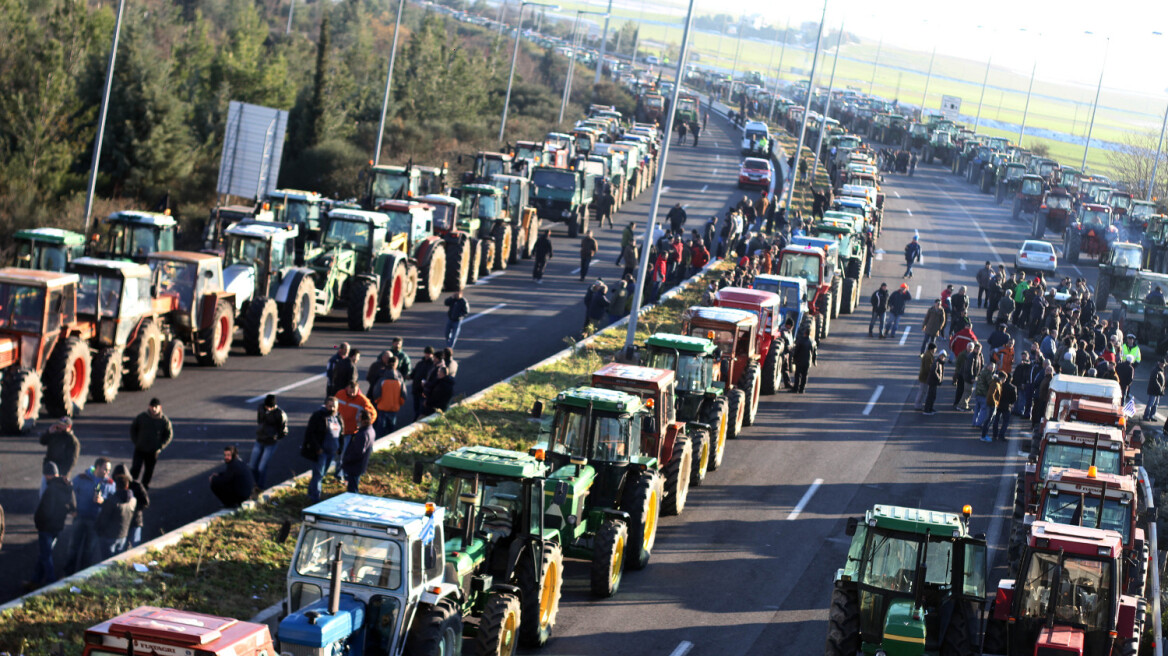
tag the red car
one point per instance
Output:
(755, 172)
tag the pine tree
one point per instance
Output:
(316, 108)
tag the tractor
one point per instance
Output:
(225, 216)
(793, 294)
(521, 214)
(1069, 180)
(463, 252)
(1066, 599)
(734, 333)
(1143, 316)
(1118, 269)
(391, 183)
(773, 342)
(563, 196)
(196, 310)
(44, 355)
(817, 266)
(483, 216)
(368, 577)
(852, 255)
(700, 401)
(1092, 233)
(133, 236)
(1009, 178)
(274, 298)
(172, 631)
(665, 437)
(487, 164)
(610, 499)
(433, 180)
(305, 209)
(913, 583)
(47, 249)
(1055, 213)
(1069, 444)
(504, 544)
(1029, 197)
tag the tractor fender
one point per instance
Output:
(504, 587)
(612, 512)
(422, 254)
(389, 265)
(372, 277)
(291, 281)
(514, 553)
(438, 591)
(697, 425)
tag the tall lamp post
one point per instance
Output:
(388, 83)
(1095, 105)
(827, 104)
(515, 55)
(928, 79)
(806, 108)
(603, 44)
(572, 60)
(105, 93)
(779, 72)
(875, 64)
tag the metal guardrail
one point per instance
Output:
(1153, 540)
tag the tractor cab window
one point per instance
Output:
(1031, 187)
(562, 180)
(803, 266)
(136, 240)
(662, 359)
(399, 223)
(176, 279)
(693, 373)
(369, 561)
(1076, 456)
(357, 234)
(974, 575)
(1130, 257)
(59, 309)
(1083, 510)
(1077, 590)
(1095, 218)
(892, 564)
(52, 258)
(22, 308)
(490, 207)
(1120, 202)
(300, 212)
(389, 185)
(252, 252)
(570, 436)
(279, 253)
(448, 496)
(611, 442)
(93, 289)
(444, 217)
(1058, 202)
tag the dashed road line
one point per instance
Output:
(798, 509)
(872, 401)
(483, 313)
(281, 390)
(918, 291)
(682, 649)
(905, 335)
(704, 188)
(897, 193)
(909, 211)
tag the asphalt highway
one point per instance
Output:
(748, 567)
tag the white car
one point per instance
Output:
(1036, 256)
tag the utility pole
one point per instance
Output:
(291, 6)
(827, 104)
(1095, 105)
(603, 44)
(388, 83)
(1026, 110)
(779, 72)
(806, 106)
(875, 65)
(985, 80)
(105, 94)
(1156, 162)
(928, 78)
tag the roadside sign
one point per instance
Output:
(950, 107)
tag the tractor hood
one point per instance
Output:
(240, 279)
(1061, 640)
(904, 629)
(313, 626)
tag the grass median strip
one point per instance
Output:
(236, 567)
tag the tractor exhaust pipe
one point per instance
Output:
(335, 584)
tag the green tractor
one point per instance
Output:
(1118, 268)
(852, 254)
(564, 196)
(484, 216)
(503, 546)
(913, 584)
(48, 249)
(701, 401)
(391, 183)
(1148, 321)
(133, 235)
(607, 508)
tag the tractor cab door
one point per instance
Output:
(207, 282)
(973, 571)
(383, 615)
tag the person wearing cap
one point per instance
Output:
(91, 488)
(933, 324)
(1129, 348)
(912, 255)
(935, 377)
(376, 371)
(897, 303)
(113, 520)
(62, 447)
(404, 364)
(1155, 391)
(1003, 396)
(330, 369)
(271, 427)
(234, 484)
(56, 504)
(1125, 371)
(150, 433)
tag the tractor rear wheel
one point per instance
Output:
(362, 304)
(260, 325)
(107, 375)
(608, 557)
(1138, 579)
(843, 623)
(854, 265)
(1038, 228)
(504, 246)
(957, 640)
(67, 378)
(143, 356)
(736, 410)
(849, 291)
(393, 301)
(1074, 243)
(476, 256)
(457, 263)
(216, 340)
(1102, 291)
(836, 297)
(298, 313)
(677, 473)
(771, 371)
(432, 273)
(699, 439)
(487, 259)
(719, 421)
(751, 384)
(173, 353)
(519, 243)
(436, 631)
(498, 633)
(532, 235)
(642, 501)
(20, 401)
(1014, 546)
(541, 597)
(411, 285)
(1020, 496)
(994, 640)
(824, 325)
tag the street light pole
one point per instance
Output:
(737, 51)
(806, 108)
(1095, 105)
(603, 44)
(1156, 162)
(827, 105)
(643, 265)
(105, 94)
(514, 56)
(928, 78)
(985, 80)
(577, 42)
(388, 83)
(291, 6)
(875, 64)
(1026, 109)
(779, 72)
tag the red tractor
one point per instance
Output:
(772, 343)
(462, 253)
(1056, 212)
(1029, 197)
(1069, 444)
(662, 436)
(816, 265)
(1092, 233)
(734, 332)
(169, 631)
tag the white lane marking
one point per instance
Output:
(918, 291)
(280, 390)
(682, 649)
(908, 210)
(714, 172)
(704, 188)
(961, 263)
(880, 253)
(1077, 270)
(798, 509)
(905, 335)
(872, 401)
(897, 193)
(484, 312)
(973, 221)
(717, 158)
(665, 190)
(490, 277)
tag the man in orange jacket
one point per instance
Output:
(350, 402)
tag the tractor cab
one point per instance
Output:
(432, 179)
(1030, 193)
(516, 193)
(912, 577)
(487, 164)
(114, 296)
(305, 209)
(392, 183)
(1065, 388)
(133, 235)
(1070, 445)
(1141, 211)
(692, 359)
(1045, 167)
(256, 254)
(792, 293)
(767, 307)
(561, 141)
(223, 217)
(1143, 312)
(172, 631)
(189, 291)
(1069, 179)
(47, 249)
(1119, 202)
(528, 153)
(382, 561)
(734, 333)
(816, 265)
(1013, 171)
(446, 210)
(1118, 268)
(360, 233)
(410, 224)
(482, 205)
(1059, 203)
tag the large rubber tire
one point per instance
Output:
(1038, 227)
(411, 285)
(457, 263)
(436, 631)
(824, 326)
(849, 293)
(216, 340)
(958, 640)
(585, 214)
(843, 624)
(298, 313)
(541, 601)
(836, 298)
(573, 227)
(107, 375)
(1102, 292)
(677, 473)
(362, 304)
(260, 325)
(642, 501)
(487, 258)
(751, 385)
(432, 273)
(1014, 545)
(1019, 497)
(504, 246)
(853, 268)
(67, 378)
(1137, 583)
(1074, 243)
(771, 371)
(737, 411)
(608, 557)
(143, 356)
(20, 401)
(498, 633)
(719, 421)
(699, 440)
(519, 243)
(476, 257)
(393, 301)
(173, 354)
(994, 640)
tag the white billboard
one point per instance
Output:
(252, 148)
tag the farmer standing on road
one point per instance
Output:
(897, 302)
(983, 283)
(588, 250)
(676, 219)
(912, 255)
(150, 432)
(542, 253)
(457, 310)
(63, 448)
(879, 309)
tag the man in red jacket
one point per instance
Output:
(698, 255)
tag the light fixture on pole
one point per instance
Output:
(514, 56)
(827, 104)
(643, 265)
(575, 46)
(806, 108)
(1095, 105)
(105, 94)
(388, 83)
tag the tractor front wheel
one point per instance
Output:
(541, 596)
(849, 292)
(608, 557)
(677, 474)
(476, 257)
(642, 501)
(362, 304)
(843, 623)
(488, 256)
(957, 640)
(433, 273)
(436, 631)
(298, 313)
(67, 378)
(994, 640)
(260, 325)
(751, 385)
(173, 353)
(498, 633)
(719, 420)
(737, 410)
(393, 301)
(504, 246)
(411, 285)
(217, 338)
(107, 375)
(457, 263)
(771, 371)
(699, 440)
(20, 401)
(142, 357)
(1102, 292)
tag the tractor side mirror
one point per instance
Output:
(284, 532)
(853, 522)
(537, 410)
(419, 470)
(561, 493)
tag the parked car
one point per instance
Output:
(1036, 256)
(755, 172)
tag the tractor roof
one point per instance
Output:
(1084, 386)
(148, 218)
(686, 343)
(804, 249)
(754, 297)
(1079, 540)
(502, 177)
(389, 168)
(635, 375)
(294, 194)
(600, 399)
(430, 169)
(123, 268)
(723, 315)
(31, 278)
(174, 631)
(915, 520)
(482, 189)
(440, 199)
(1083, 433)
(486, 460)
(1033, 176)
(183, 256)
(766, 281)
(55, 236)
(1079, 480)
(378, 219)
(372, 512)
(263, 229)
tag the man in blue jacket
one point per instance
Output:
(91, 488)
